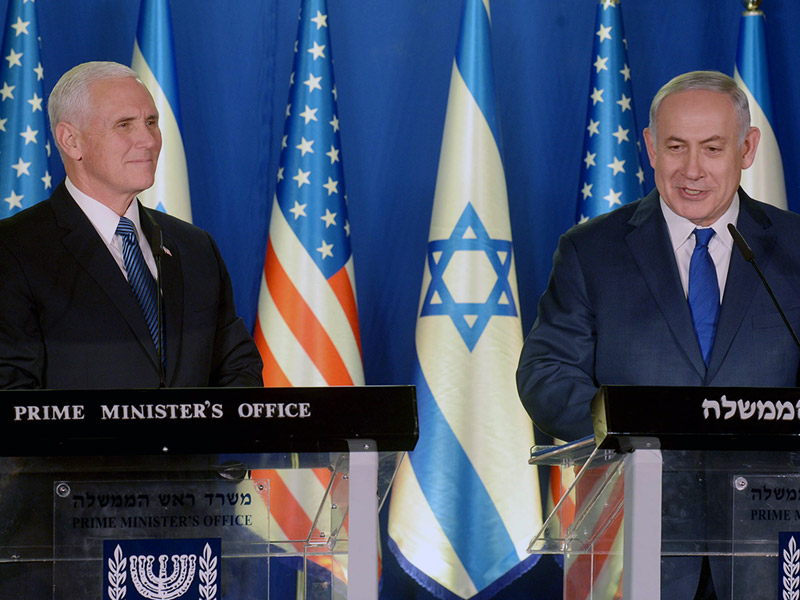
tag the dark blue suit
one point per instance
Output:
(69, 320)
(615, 312)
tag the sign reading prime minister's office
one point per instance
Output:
(202, 420)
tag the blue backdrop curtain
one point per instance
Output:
(393, 64)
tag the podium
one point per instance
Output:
(197, 493)
(675, 481)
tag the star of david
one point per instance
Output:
(469, 318)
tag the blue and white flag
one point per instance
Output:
(611, 173)
(154, 61)
(764, 179)
(465, 503)
(24, 137)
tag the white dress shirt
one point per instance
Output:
(105, 221)
(720, 246)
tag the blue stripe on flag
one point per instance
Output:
(751, 61)
(474, 60)
(444, 594)
(438, 481)
(154, 36)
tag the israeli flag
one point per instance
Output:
(154, 61)
(764, 179)
(465, 502)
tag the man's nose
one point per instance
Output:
(147, 136)
(693, 164)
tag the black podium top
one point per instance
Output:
(697, 418)
(205, 420)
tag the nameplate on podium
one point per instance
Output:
(205, 420)
(696, 418)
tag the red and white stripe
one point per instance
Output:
(307, 328)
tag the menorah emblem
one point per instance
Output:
(182, 568)
(163, 586)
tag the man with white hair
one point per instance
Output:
(79, 303)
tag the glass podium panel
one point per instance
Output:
(737, 511)
(249, 526)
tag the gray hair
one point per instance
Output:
(69, 100)
(712, 81)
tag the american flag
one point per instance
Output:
(611, 171)
(154, 61)
(24, 141)
(611, 175)
(307, 327)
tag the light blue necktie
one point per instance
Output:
(139, 276)
(703, 292)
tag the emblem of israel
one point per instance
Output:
(161, 569)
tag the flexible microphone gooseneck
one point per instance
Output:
(750, 256)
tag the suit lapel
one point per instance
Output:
(742, 281)
(84, 243)
(172, 288)
(650, 245)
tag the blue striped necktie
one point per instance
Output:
(703, 292)
(139, 276)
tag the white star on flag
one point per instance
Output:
(309, 114)
(333, 154)
(7, 91)
(35, 102)
(29, 135)
(298, 210)
(618, 166)
(329, 218)
(604, 33)
(305, 146)
(600, 64)
(331, 186)
(21, 168)
(313, 83)
(320, 20)
(302, 177)
(621, 135)
(317, 51)
(613, 198)
(20, 26)
(13, 59)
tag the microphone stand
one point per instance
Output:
(750, 256)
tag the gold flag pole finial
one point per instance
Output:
(751, 5)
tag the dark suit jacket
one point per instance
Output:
(614, 312)
(69, 320)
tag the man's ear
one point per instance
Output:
(749, 147)
(650, 144)
(68, 139)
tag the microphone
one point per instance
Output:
(750, 256)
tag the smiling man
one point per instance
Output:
(654, 293)
(78, 293)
